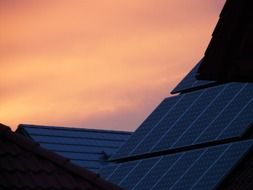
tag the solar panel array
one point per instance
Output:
(190, 141)
(87, 148)
(196, 169)
(206, 115)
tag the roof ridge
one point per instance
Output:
(23, 142)
(73, 128)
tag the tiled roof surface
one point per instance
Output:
(88, 148)
(25, 165)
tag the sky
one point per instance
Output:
(97, 63)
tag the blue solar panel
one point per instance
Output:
(197, 169)
(173, 115)
(226, 119)
(190, 116)
(132, 178)
(121, 171)
(211, 114)
(156, 172)
(221, 167)
(190, 82)
(105, 172)
(155, 117)
(205, 118)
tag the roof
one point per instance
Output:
(201, 138)
(187, 140)
(229, 55)
(88, 148)
(25, 165)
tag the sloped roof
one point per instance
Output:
(201, 138)
(229, 55)
(88, 148)
(25, 165)
(187, 140)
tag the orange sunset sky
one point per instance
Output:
(97, 63)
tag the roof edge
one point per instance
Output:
(73, 128)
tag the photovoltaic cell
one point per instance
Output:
(130, 180)
(121, 171)
(226, 119)
(205, 118)
(179, 167)
(221, 167)
(190, 82)
(155, 117)
(105, 172)
(174, 115)
(197, 169)
(185, 123)
(211, 114)
(156, 172)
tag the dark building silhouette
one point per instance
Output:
(229, 56)
(88, 148)
(24, 165)
(201, 138)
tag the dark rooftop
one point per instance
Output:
(25, 165)
(229, 56)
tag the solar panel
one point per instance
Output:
(190, 82)
(211, 111)
(226, 120)
(130, 180)
(156, 172)
(197, 169)
(154, 118)
(222, 166)
(105, 172)
(211, 114)
(121, 171)
(173, 115)
(189, 117)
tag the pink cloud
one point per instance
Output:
(97, 64)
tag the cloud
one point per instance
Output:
(102, 64)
